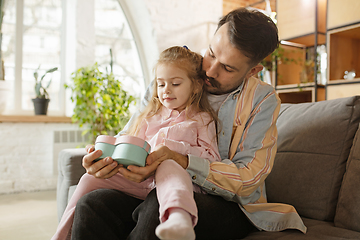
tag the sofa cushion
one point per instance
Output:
(70, 170)
(348, 208)
(313, 146)
(316, 230)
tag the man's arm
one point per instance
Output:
(238, 179)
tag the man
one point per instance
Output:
(236, 199)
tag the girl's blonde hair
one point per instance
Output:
(190, 62)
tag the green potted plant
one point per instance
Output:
(101, 104)
(41, 102)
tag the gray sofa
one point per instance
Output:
(316, 169)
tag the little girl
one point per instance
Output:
(179, 117)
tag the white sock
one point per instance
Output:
(178, 226)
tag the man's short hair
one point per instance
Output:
(252, 32)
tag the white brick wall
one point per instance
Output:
(184, 22)
(26, 156)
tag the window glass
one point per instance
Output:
(41, 47)
(113, 32)
(8, 46)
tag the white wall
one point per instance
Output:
(27, 160)
(184, 22)
(26, 150)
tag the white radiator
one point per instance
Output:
(66, 139)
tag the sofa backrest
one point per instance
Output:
(313, 146)
(348, 208)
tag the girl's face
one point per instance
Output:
(174, 87)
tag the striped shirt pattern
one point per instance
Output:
(247, 143)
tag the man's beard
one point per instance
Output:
(217, 89)
(214, 83)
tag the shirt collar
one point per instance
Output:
(238, 90)
(167, 113)
(235, 92)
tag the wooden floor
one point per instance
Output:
(30, 216)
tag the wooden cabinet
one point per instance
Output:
(344, 52)
(302, 21)
(342, 12)
(302, 29)
(342, 90)
(303, 93)
(289, 71)
(343, 48)
(305, 26)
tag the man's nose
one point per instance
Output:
(212, 69)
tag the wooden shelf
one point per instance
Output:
(301, 94)
(343, 51)
(300, 18)
(341, 13)
(35, 119)
(291, 86)
(296, 96)
(309, 40)
(289, 73)
(343, 90)
(344, 81)
(343, 48)
(302, 27)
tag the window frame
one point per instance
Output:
(143, 36)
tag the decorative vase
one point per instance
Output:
(41, 105)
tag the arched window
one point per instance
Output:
(112, 31)
(45, 33)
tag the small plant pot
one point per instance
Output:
(41, 105)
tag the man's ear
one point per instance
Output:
(253, 71)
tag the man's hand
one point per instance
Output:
(160, 154)
(138, 174)
(107, 167)
(104, 168)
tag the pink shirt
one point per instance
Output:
(185, 135)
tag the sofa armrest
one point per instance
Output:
(70, 170)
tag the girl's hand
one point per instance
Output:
(138, 174)
(104, 168)
(162, 153)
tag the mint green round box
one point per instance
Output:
(126, 150)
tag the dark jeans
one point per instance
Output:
(111, 214)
